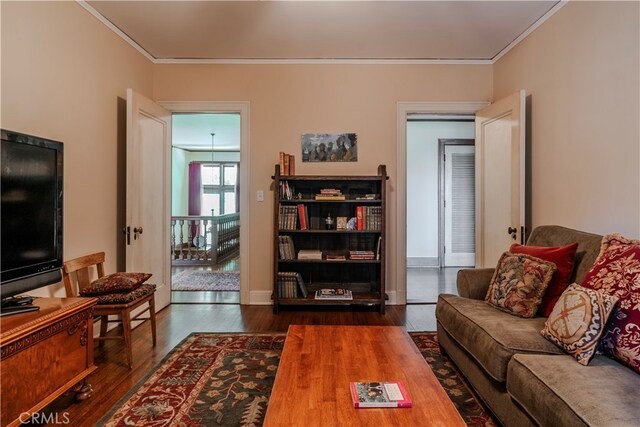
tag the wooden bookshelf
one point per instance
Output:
(296, 205)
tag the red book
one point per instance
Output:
(359, 217)
(379, 395)
(302, 218)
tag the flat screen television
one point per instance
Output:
(30, 212)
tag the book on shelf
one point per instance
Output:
(309, 254)
(368, 197)
(362, 255)
(288, 218)
(287, 164)
(331, 257)
(334, 294)
(369, 217)
(303, 217)
(378, 247)
(331, 191)
(330, 197)
(286, 191)
(285, 248)
(288, 281)
(390, 394)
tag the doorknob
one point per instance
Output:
(511, 230)
(136, 231)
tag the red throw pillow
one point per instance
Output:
(115, 283)
(564, 257)
(617, 273)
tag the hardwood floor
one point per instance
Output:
(112, 380)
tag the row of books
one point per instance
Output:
(289, 282)
(286, 191)
(362, 255)
(287, 164)
(285, 248)
(288, 217)
(369, 217)
(330, 194)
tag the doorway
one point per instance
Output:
(205, 222)
(437, 165)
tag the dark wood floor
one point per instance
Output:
(113, 380)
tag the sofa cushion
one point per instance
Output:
(126, 297)
(518, 283)
(578, 321)
(555, 390)
(564, 257)
(491, 336)
(617, 272)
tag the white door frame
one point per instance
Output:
(241, 107)
(403, 110)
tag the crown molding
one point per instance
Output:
(115, 29)
(315, 61)
(530, 30)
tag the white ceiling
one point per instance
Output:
(193, 131)
(176, 31)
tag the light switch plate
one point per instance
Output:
(260, 196)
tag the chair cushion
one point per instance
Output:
(564, 257)
(578, 321)
(518, 284)
(116, 282)
(491, 336)
(123, 298)
(617, 273)
(557, 391)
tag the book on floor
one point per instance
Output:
(391, 394)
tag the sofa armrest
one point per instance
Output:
(474, 282)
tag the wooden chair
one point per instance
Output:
(102, 310)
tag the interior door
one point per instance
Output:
(148, 204)
(459, 205)
(500, 177)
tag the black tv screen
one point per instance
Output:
(31, 211)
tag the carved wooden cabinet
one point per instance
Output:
(44, 354)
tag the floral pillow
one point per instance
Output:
(518, 283)
(578, 320)
(617, 273)
(115, 283)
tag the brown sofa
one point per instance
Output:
(523, 378)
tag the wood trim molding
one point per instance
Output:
(242, 107)
(403, 109)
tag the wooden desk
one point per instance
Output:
(43, 354)
(318, 363)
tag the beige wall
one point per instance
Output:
(62, 76)
(289, 100)
(581, 70)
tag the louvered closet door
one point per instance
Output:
(459, 209)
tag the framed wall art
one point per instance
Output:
(329, 147)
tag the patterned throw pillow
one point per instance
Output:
(564, 257)
(126, 297)
(617, 273)
(115, 283)
(518, 284)
(578, 320)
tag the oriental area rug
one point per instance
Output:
(226, 380)
(198, 280)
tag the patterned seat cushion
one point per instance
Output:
(123, 298)
(115, 283)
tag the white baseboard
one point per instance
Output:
(260, 298)
(422, 262)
